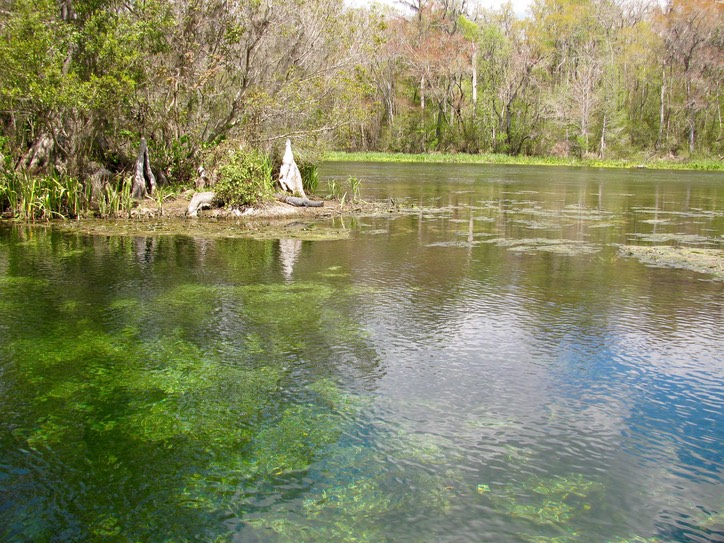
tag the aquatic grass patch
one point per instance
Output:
(254, 228)
(292, 442)
(172, 388)
(161, 405)
(10, 283)
(358, 494)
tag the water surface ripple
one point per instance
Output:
(489, 365)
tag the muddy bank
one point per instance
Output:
(276, 220)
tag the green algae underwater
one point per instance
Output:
(181, 389)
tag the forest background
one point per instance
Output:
(82, 81)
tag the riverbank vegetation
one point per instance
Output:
(491, 158)
(83, 82)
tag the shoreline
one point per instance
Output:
(700, 165)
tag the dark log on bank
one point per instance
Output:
(299, 202)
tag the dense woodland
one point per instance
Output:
(81, 81)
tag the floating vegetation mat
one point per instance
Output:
(691, 239)
(557, 246)
(299, 228)
(699, 259)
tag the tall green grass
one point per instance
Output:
(31, 198)
(116, 201)
(310, 177)
(335, 190)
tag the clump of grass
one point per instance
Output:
(162, 194)
(334, 189)
(354, 187)
(31, 198)
(310, 176)
(116, 202)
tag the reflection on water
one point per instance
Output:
(488, 367)
(289, 250)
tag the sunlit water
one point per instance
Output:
(486, 366)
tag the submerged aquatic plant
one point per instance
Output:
(122, 387)
(543, 501)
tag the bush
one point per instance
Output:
(245, 179)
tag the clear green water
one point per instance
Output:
(490, 367)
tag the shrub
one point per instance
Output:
(245, 179)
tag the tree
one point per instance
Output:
(693, 42)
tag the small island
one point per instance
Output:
(407, 271)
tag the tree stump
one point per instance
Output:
(290, 178)
(144, 182)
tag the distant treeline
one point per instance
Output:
(81, 81)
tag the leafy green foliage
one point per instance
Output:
(245, 179)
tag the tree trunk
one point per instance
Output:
(422, 93)
(290, 178)
(660, 140)
(475, 79)
(602, 146)
(39, 156)
(144, 182)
